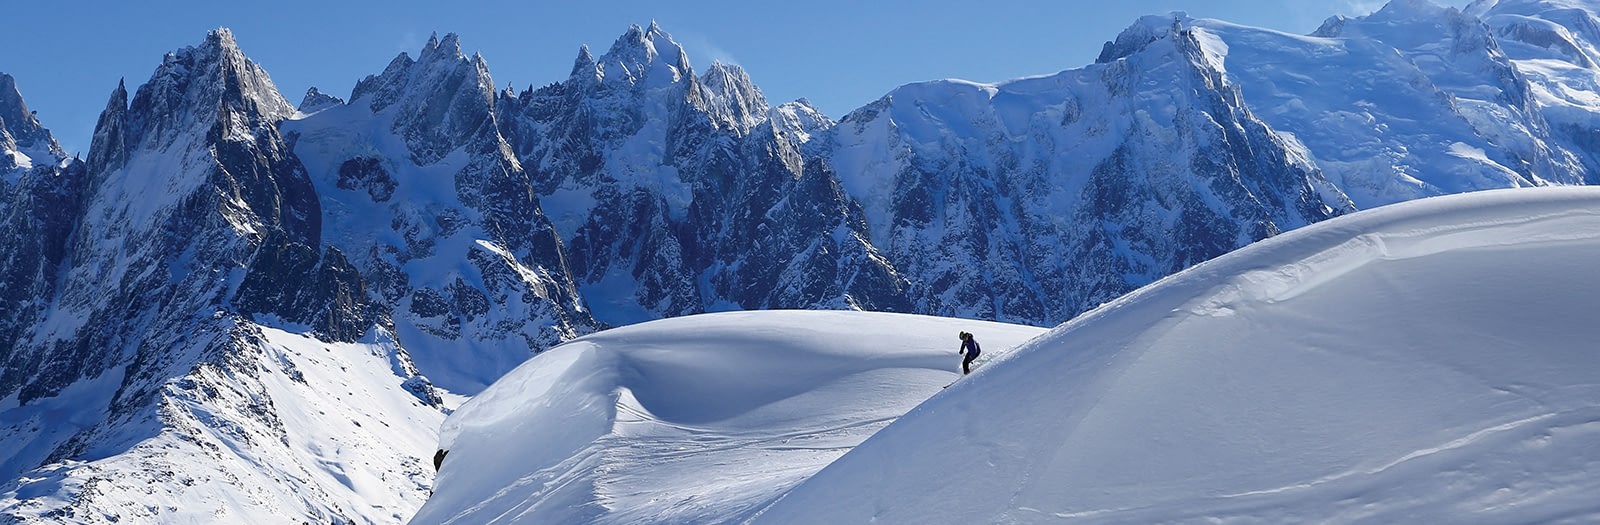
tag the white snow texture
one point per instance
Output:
(1427, 362)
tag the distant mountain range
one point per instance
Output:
(236, 307)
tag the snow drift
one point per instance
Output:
(696, 419)
(1428, 362)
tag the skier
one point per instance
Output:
(969, 347)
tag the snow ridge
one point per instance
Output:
(1323, 391)
(158, 298)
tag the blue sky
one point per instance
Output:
(840, 54)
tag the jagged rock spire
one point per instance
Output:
(584, 64)
(20, 123)
(643, 55)
(109, 149)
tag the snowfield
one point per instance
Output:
(694, 419)
(1427, 362)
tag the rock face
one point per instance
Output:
(41, 198)
(297, 295)
(1035, 199)
(190, 225)
(682, 194)
(439, 220)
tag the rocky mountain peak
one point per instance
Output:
(1134, 39)
(584, 64)
(108, 150)
(22, 125)
(726, 92)
(646, 56)
(316, 100)
(202, 86)
(448, 48)
(448, 98)
(1333, 27)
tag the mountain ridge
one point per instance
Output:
(218, 242)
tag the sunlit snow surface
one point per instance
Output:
(344, 430)
(690, 420)
(1428, 362)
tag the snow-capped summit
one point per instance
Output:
(729, 97)
(646, 56)
(439, 181)
(1558, 30)
(223, 266)
(315, 100)
(1144, 31)
(145, 370)
(1129, 170)
(1555, 45)
(212, 84)
(1412, 10)
(1443, 110)
(456, 92)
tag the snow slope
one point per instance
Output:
(343, 442)
(1428, 362)
(694, 419)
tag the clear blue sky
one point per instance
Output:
(67, 56)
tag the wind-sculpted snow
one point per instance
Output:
(697, 419)
(1429, 362)
(450, 231)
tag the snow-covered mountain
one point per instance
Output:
(148, 382)
(1032, 200)
(421, 194)
(1440, 108)
(41, 194)
(1378, 367)
(1552, 44)
(297, 296)
(681, 193)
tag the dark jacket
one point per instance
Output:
(969, 346)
